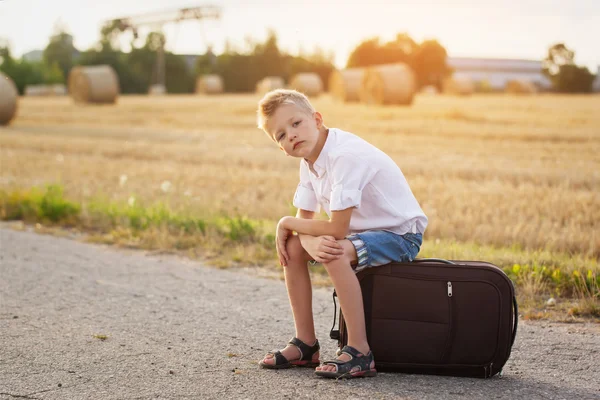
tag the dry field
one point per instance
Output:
(512, 172)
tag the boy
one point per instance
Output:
(374, 220)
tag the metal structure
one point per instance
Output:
(156, 20)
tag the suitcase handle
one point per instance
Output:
(334, 334)
(440, 260)
(516, 321)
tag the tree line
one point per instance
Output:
(241, 70)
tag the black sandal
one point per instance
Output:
(347, 369)
(305, 360)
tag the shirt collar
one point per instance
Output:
(318, 168)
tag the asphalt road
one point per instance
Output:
(177, 329)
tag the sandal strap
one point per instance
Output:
(363, 361)
(352, 351)
(306, 351)
(279, 358)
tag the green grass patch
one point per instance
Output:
(39, 205)
(237, 240)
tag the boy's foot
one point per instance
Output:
(296, 353)
(350, 364)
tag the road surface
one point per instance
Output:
(177, 329)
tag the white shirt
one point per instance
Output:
(350, 172)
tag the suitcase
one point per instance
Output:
(434, 316)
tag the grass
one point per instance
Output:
(507, 179)
(228, 241)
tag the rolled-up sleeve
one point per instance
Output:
(305, 197)
(349, 176)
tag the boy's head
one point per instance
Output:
(288, 118)
(274, 99)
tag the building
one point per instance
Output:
(495, 73)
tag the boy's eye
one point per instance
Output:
(295, 124)
(280, 137)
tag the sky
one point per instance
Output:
(466, 28)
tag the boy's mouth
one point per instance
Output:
(297, 144)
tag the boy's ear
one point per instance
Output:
(318, 118)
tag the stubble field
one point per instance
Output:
(499, 170)
(506, 179)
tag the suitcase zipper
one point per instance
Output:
(449, 289)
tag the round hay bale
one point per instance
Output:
(209, 84)
(429, 90)
(308, 83)
(388, 84)
(157, 90)
(344, 85)
(94, 84)
(8, 99)
(58, 89)
(520, 87)
(45, 90)
(458, 86)
(37, 90)
(269, 83)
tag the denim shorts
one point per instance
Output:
(374, 248)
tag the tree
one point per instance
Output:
(268, 58)
(429, 64)
(207, 63)
(428, 60)
(365, 54)
(558, 55)
(241, 70)
(60, 51)
(25, 73)
(566, 77)
(143, 63)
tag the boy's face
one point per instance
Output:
(295, 131)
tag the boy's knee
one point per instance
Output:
(294, 248)
(349, 256)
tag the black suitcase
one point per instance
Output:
(435, 316)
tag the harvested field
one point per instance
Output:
(490, 169)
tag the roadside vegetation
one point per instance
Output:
(550, 285)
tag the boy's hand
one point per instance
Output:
(281, 236)
(322, 248)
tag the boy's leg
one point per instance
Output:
(351, 302)
(297, 281)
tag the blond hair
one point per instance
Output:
(275, 99)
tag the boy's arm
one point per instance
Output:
(337, 226)
(304, 214)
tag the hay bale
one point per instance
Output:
(308, 83)
(269, 83)
(157, 90)
(209, 84)
(94, 84)
(58, 89)
(429, 90)
(462, 86)
(45, 90)
(37, 90)
(344, 85)
(8, 99)
(388, 84)
(520, 87)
